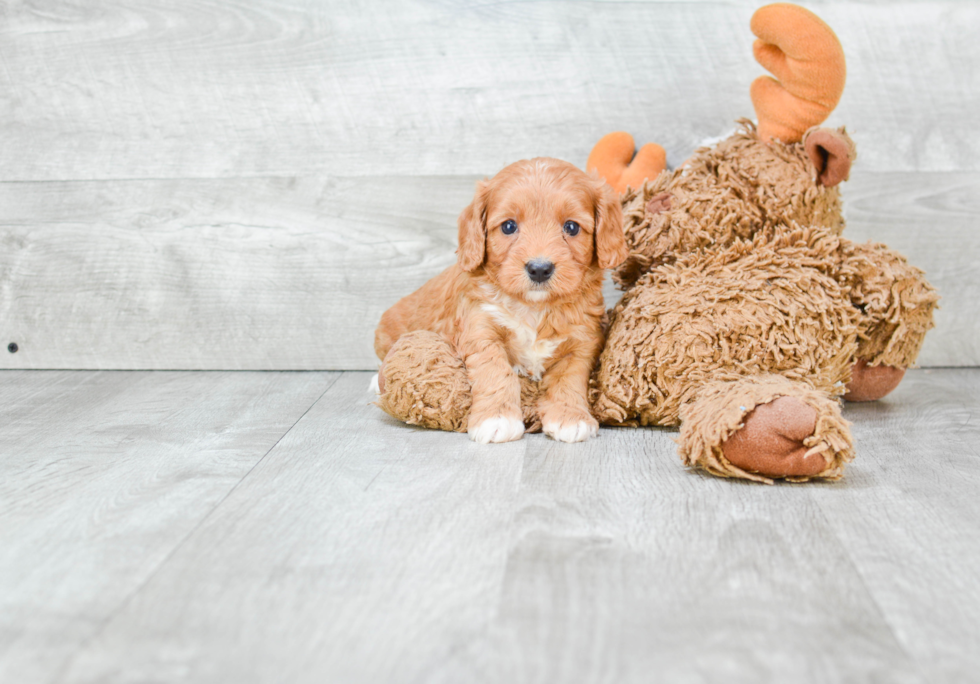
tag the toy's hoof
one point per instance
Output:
(869, 383)
(771, 441)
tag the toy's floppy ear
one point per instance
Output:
(610, 243)
(473, 230)
(831, 153)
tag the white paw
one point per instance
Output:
(578, 431)
(497, 429)
(374, 386)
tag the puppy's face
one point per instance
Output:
(539, 227)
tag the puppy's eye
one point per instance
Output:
(571, 228)
(508, 227)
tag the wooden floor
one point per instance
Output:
(276, 527)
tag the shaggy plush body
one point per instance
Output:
(524, 300)
(741, 291)
(769, 305)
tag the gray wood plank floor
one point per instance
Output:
(260, 527)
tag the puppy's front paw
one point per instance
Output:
(497, 429)
(572, 430)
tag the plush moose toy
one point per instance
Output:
(746, 314)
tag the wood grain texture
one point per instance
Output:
(623, 567)
(913, 491)
(103, 476)
(229, 274)
(151, 89)
(270, 273)
(359, 550)
(362, 550)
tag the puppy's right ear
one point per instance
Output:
(473, 230)
(610, 242)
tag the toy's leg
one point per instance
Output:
(423, 382)
(763, 428)
(896, 304)
(870, 383)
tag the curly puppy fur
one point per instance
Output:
(501, 319)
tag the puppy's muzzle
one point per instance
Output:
(539, 270)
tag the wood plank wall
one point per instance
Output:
(210, 184)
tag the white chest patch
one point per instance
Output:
(527, 353)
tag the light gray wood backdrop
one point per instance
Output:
(248, 185)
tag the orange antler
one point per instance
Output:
(612, 158)
(800, 50)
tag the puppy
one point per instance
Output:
(525, 296)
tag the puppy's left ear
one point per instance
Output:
(610, 243)
(473, 230)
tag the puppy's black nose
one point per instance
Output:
(539, 270)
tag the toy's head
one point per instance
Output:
(735, 190)
(540, 228)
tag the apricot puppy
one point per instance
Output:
(524, 297)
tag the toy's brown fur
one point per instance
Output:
(893, 300)
(738, 271)
(426, 384)
(721, 194)
(770, 305)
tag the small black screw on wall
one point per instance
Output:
(12, 347)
